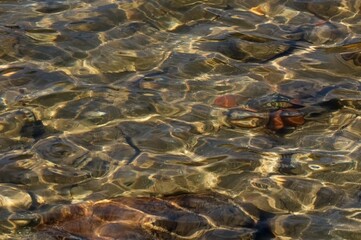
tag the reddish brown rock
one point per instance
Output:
(285, 118)
(227, 101)
(183, 216)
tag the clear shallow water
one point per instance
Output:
(180, 119)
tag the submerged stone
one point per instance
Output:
(199, 216)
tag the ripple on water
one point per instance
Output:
(124, 119)
(128, 57)
(60, 151)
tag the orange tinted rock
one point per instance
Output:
(227, 101)
(295, 121)
(276, 122)
(285, 118)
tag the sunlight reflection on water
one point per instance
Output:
(168, 119)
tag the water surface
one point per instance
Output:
(170, 119)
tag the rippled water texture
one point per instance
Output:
(180, 119)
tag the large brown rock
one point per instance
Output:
(187, 216)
